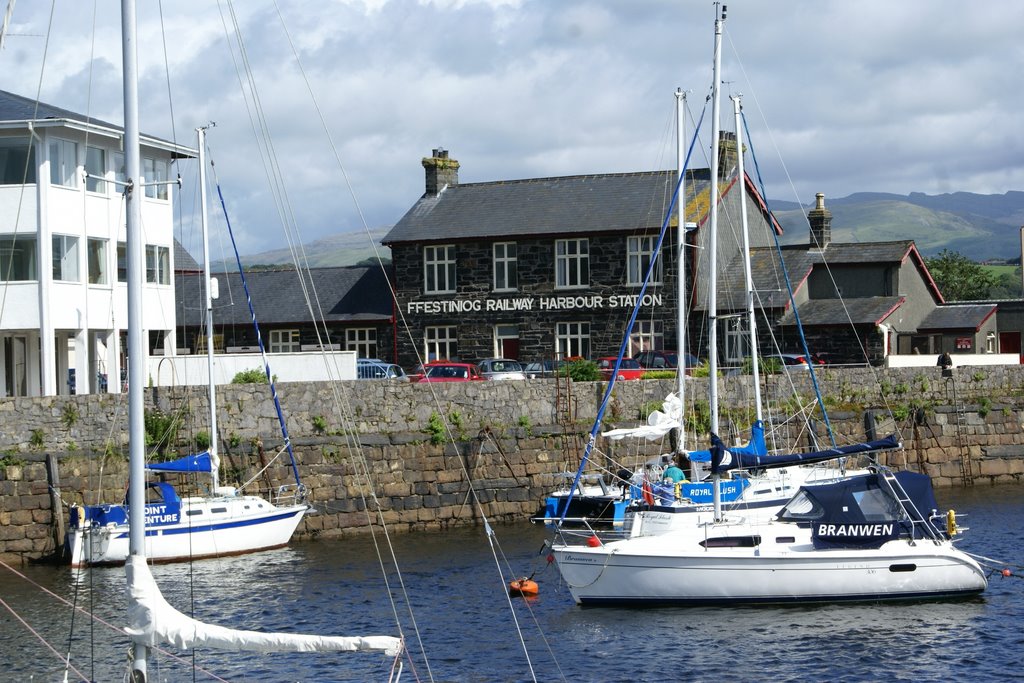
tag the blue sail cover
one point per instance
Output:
(755, 447)
(742, 458)
(198, 462)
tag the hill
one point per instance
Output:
(978, 226)
(342, 249)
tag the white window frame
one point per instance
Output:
(96, 257)
(64, 257)
(572, 263)
(439, 269)
(158, 265)
(120, 174)
(362, 340)
(285, 341)
(440, 342)
(572, 339)
(504, 331)
(506, 267)
(122, 262)
(155, 171)
(639, 252)
(647, 335)
(18, 258)
(63, 162)
(97, 172)
(737, 340)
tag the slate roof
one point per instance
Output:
(346, 294)
(957, 317)
(183, 261)
(544, 206)
(15, 108)
(860, 311)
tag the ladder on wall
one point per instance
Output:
(952, 395)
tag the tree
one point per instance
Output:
(958, 277)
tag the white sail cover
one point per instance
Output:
(152, 620)
(659, 422)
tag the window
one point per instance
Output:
(506, 268)
(95, 165)
(155, 171)
(158, 264)
(63, 163)
(284, 341)
(362, 340)
(17, 258)
(572, 263)
(439, 269)
(737, 341)
(17, 161)
(572, 339)
(122, 262)
(120, 175)
(639, 251)
(97, 252)
(65, 258)
(440, 343)
(646, 336)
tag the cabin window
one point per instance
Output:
(732, 542)
(639, 253)
(506, 267)
(218, 510)
(875, 505)
(440, 343)
(65, 258)
(96, 168)
(17, 258)
(17, 161)
(284, 341)
(97, 256)
(894, 568)
(801, 508)
(572, 340)
(439, 269)
(158, 265)
(190, 513)
(63, 163)
(362, 340)
(572, 263)
(155, 171)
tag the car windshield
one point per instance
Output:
(451, 371)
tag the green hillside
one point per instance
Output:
(343, 249)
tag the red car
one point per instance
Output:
(629, 368)
(451, 372)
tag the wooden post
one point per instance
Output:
(56, 504)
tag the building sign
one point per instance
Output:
(531, 303)
(963, 343)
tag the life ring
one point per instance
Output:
(648, 496)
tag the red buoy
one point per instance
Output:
(1007, 572)
(594, 541)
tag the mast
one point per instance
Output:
(681, 261)
(209, 297)
(136, 351)
(748, 275)
(713, 256)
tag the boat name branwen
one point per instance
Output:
(855, 529)
(158, 514)
(529, 303)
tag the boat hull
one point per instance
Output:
(208, 527)
(900, 570)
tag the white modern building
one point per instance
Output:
(63, 264)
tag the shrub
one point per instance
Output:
(582, 371)
(436, 429)
(161, 429)
(319, 424)
(251, 376)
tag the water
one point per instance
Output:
(468, 633)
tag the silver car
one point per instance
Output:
(501, 368)
(373, 368)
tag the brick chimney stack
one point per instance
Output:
(820, 219)
(441, 172)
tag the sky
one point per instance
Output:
(840, 97)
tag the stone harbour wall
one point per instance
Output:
(414, 454)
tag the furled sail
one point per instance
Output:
(153, 621)
(659, 422)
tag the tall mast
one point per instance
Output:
(751, 319)
(713, 253)
(136, 351)
(208, 301)
(681, 265)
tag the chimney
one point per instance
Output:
(728, 159)
(441, 171)
(820, 219)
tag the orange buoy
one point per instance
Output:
(1007, 572)
(524, 587)
(594, 541)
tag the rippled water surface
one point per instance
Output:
(470, 630)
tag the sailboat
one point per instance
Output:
(871, 536)
(222, 522)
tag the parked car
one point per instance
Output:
(543, 368)
(374, 368)
(451, 372)
(794, 359)
(629, 368)
(662, 360)
(501, 368)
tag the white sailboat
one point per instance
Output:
(871, 536)
(223, 522)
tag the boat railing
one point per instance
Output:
(918, 521)
(581, 532)
(289, 494)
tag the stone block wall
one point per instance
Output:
(412, 453)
